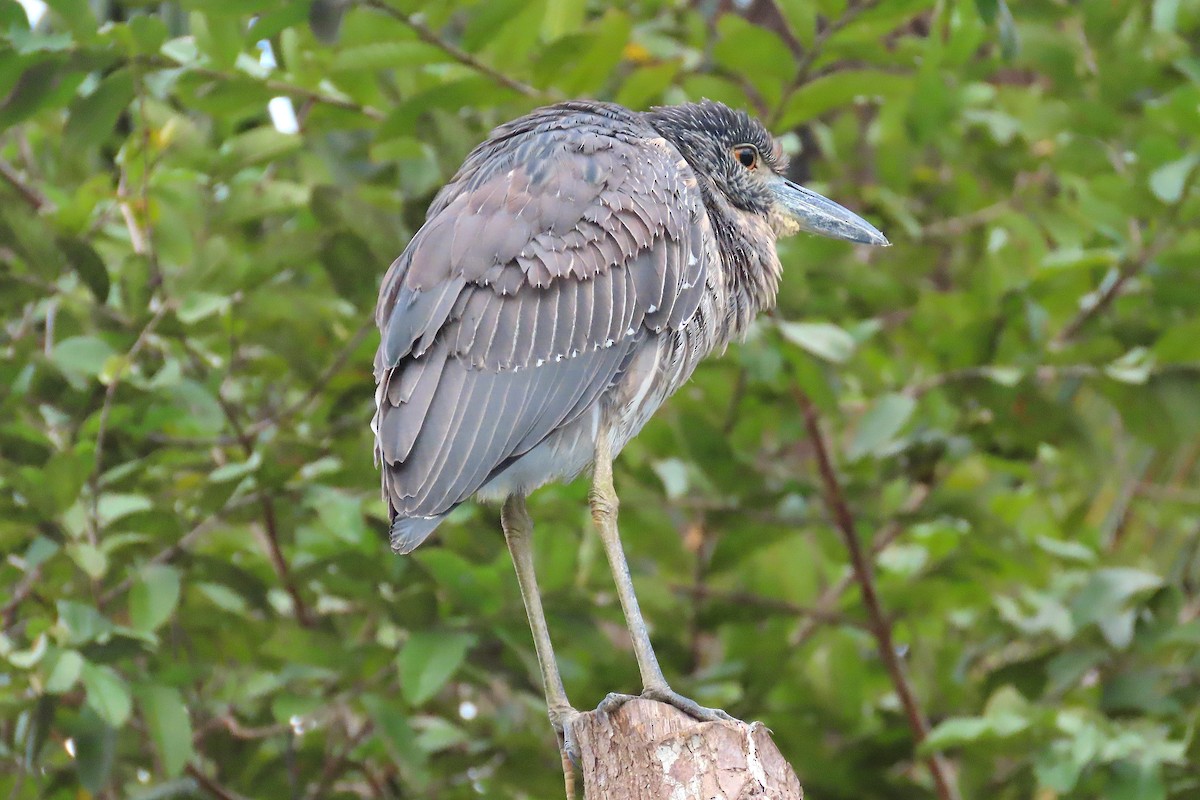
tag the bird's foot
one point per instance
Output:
(563, 720)
(665, 694)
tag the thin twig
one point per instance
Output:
(19, 593)
(828, 599)
(334, 765)
(1043, 373)
(427, 35)
(314, 391)
(880, 627)
(29, 193)
(210, 785)
(817, 614)
(110, 393)
(270, 521)
(806, 62)
(1096, 302)
(273, 85)
(229, 723)
(172, 552)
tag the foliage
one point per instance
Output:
(198, 597)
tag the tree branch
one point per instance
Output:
(270, 521)
(817, 613)
(274, 85)
(835, 498)
(34, 198)
(427, 35)
(170, 553)
(93, 528)
(804, 66)
(210, 785)
(335, 364)
(823, 608)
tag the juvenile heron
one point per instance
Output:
(565, 283)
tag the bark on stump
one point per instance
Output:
(648, 750)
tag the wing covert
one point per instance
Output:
(539, 271)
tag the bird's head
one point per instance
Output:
(747, 165)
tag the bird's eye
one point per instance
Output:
(747, 155)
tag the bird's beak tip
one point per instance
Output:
(877, 239)
(820, 215)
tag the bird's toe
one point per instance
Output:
(666, 694)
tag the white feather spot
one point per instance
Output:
(651, 308)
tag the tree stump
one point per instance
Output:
(648, 750)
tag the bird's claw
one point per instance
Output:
(665, 694)
(563, 722)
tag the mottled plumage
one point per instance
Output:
(577, 255)
(565, 283)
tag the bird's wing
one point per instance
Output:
(520, 300)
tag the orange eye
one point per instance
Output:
(747, 155)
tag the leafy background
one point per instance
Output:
(198, 201)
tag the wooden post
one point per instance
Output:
(648, 750)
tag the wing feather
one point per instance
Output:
(519, 303)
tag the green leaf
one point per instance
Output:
(199, 305)
(1169, 181)
(955, 732)
(63, 669)
(1179, 345)
(170, 726)
(95, 749)
(429, 659)
(880, 425)
(81, 623)
(1164, 15)
(259, 145)
(1109, 590)
(822, 339)
(81, 356)
(107, 694)
(34, 90)
(236, 470)
(87, 265)
(153, 597)
(823, 94)
(90, 558)
(91, 119)
(386, 55)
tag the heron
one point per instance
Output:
(565, 282)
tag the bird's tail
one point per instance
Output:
(407, 533)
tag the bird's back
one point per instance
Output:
(549, 294)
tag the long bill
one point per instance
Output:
(809, 211)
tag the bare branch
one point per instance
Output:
(281, 87)
(829, 598)
(427, 35)
(806, 63)
(172, 552)
(881, 628)
(331, 369)
(210, 785)
(139, 344)
(34, 198)
(815, 613)
(269, 518)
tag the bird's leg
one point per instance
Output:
(518, 533)
(604, 503)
